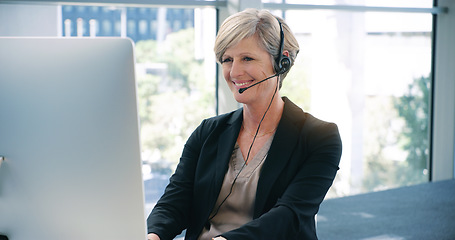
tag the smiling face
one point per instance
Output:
(245, 64)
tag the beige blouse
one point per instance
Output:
(237, 209)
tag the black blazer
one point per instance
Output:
(300, 167)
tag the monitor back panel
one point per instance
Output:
(69, 135)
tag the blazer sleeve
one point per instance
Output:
(292, 216)
(170, 215)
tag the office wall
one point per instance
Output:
(29, 20)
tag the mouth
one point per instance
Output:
(242, 84)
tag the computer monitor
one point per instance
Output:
(70, 140)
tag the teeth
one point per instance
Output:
(241, 84)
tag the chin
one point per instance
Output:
(245, 97)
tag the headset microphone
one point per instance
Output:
(241, 90)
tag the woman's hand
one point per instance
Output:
(153, 236)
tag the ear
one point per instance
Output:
(286, 53)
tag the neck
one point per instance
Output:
(252, 115)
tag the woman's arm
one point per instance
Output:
(170, 215)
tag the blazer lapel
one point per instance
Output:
(225, 144)
(283, 144)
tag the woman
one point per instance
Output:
(261, 171)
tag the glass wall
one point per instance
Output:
(369, 72)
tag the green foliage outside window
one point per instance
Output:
(173, 97)
(413, 107)
(397, 149)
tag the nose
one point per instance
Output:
(237, 69)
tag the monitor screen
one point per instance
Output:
(69, 137)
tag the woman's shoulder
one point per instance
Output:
(308, 123)
(226, 118)
(219, 122)
(314, 122)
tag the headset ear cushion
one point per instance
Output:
(285, 64)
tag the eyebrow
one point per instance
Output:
(250, 54)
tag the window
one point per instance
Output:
(369, 72)
(175, 77)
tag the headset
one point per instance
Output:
(283, 62)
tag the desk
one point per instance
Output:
(425, 211)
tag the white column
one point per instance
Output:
(80, 27)
(123, 22)
(93, 27)
(443, 155)
(67, 28)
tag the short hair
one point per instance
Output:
(265, 26)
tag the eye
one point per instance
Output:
(248, 59)
(226, 60)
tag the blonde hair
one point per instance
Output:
(265, 26)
